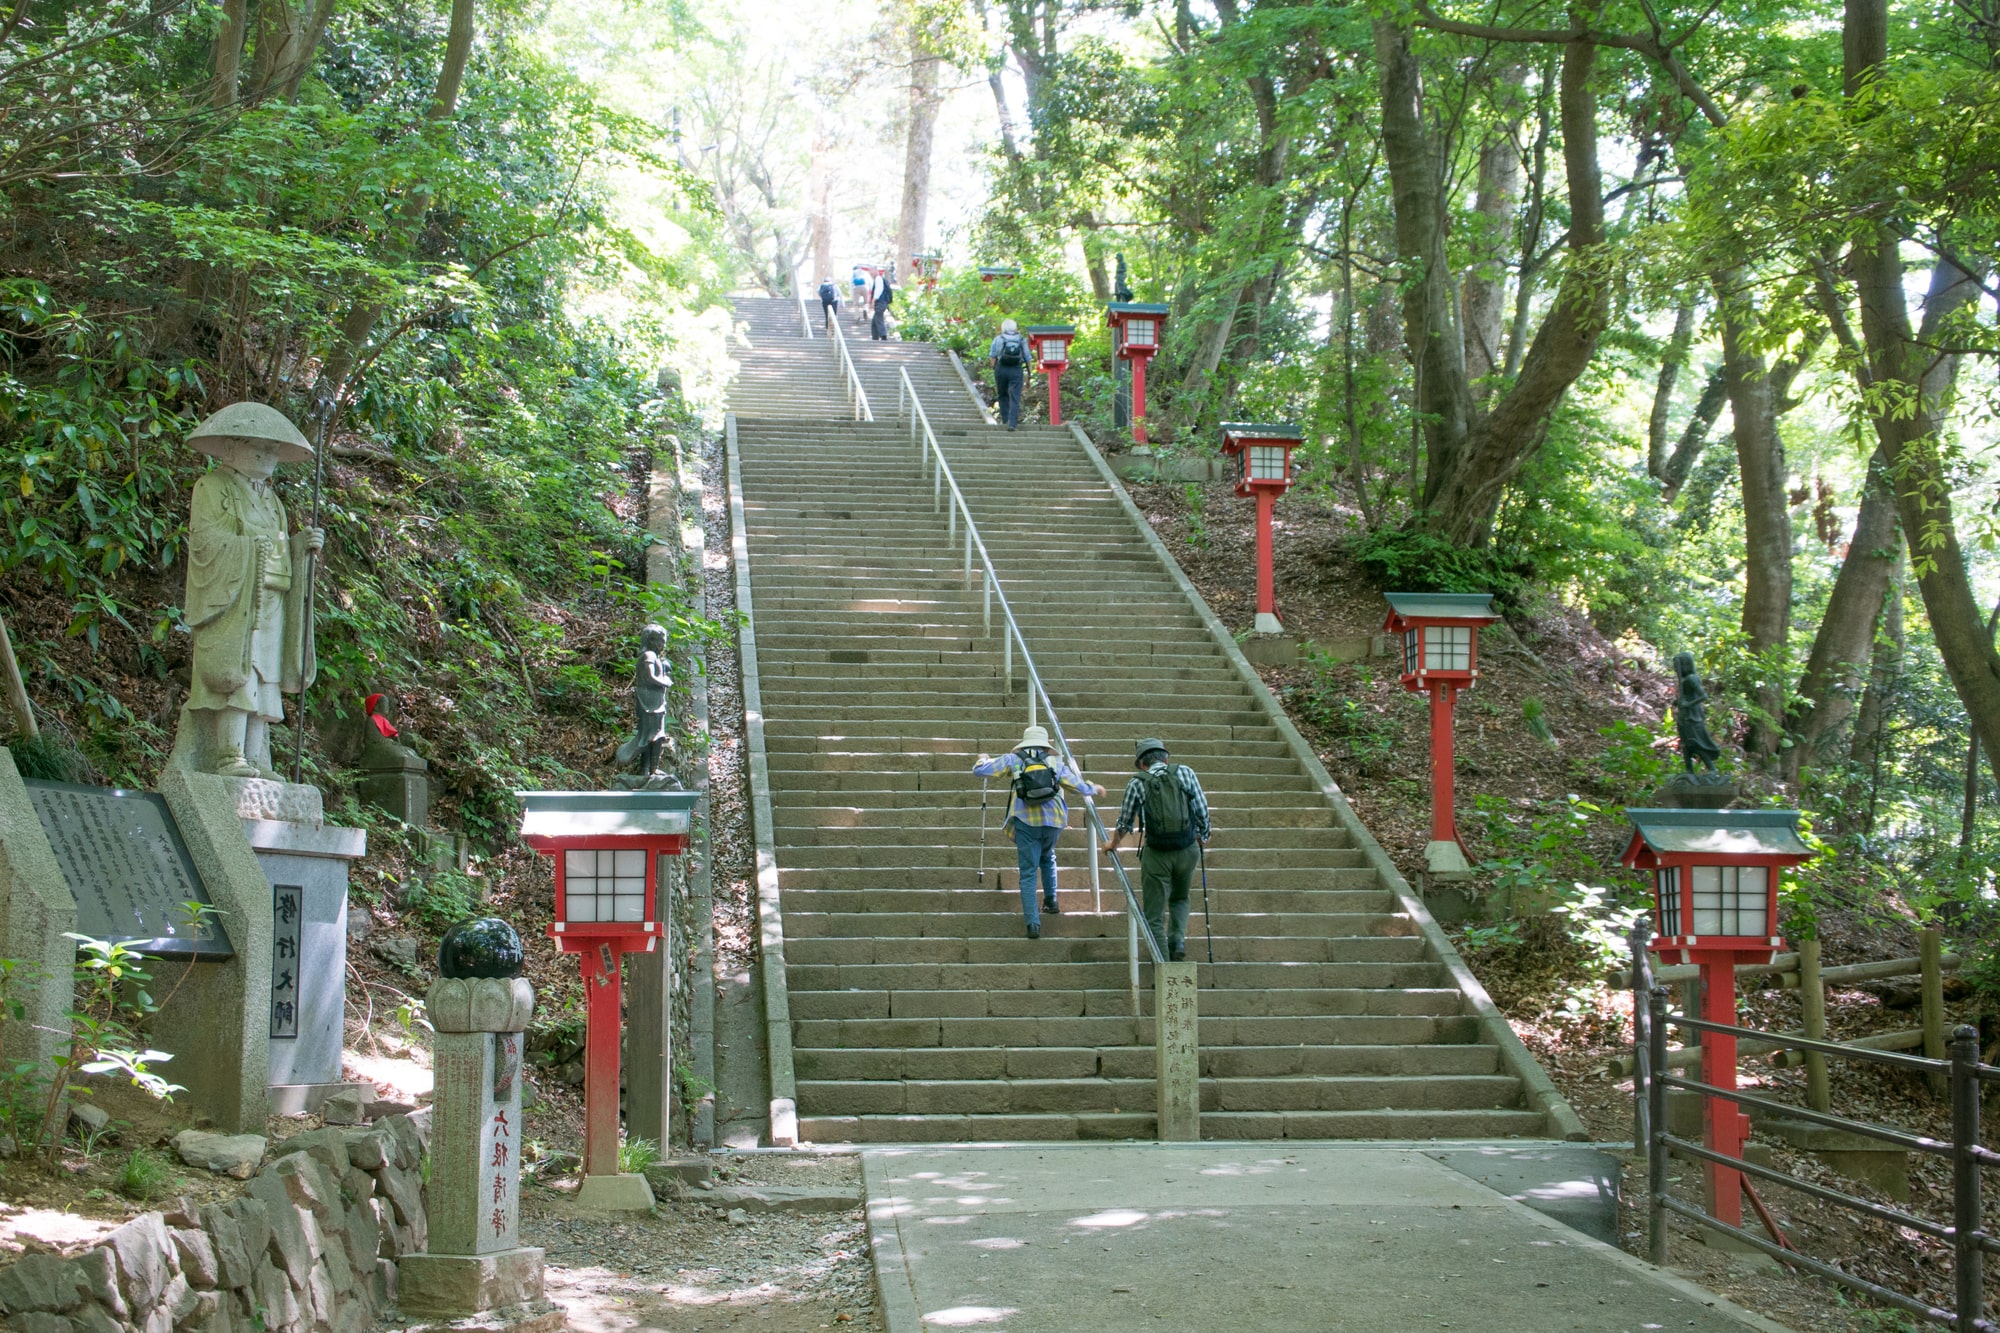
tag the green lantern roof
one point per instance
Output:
(1447, 605)
(1264, 430)
(605, 814)
(1721, 832)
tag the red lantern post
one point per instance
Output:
(927, 266)
(1263, 457)
(1716, 875)
(1441, 655)
(607, 847)
(1049, 344)
(998, 272)
(1136, 330)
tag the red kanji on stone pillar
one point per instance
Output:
(1715, 904)
(607, 847)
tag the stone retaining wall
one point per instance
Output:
(310, 1247)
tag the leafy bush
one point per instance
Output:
(1406, 561)
(635, 1155)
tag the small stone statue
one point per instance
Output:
(1121, 286)
(649, 756)
(246, 595)
(395, 777)
(1690, 717)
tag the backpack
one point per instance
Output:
(1036, 781)
(1013, 351)
(1169, 820)
(887, 295)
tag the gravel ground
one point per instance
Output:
(685, 1269)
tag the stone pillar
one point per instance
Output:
(475, 1263)
(306, 864)
(35, 910)
(1177, 1052)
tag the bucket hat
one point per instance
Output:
(1034, 738)
(1146, 747)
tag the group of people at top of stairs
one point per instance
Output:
(1163, 802)
(874, 293)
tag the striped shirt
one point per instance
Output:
(1052, 813)
(1133, 813)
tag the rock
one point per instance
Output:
(782, 1199)
(345, 1107)
(689, 1169)
(419, 1122)
(141, 1248)
(237, 1155)
(561, 1163)
(99, 1273)
(8, 1147)
(196, 1252)
(385, 1108)
(92, 1119)
(328, 1147)
(40, 1282)
(736, 1217)
(369, 1150)
(290, 1244)
(36, 1322)
(94, 1319)
(398, 950)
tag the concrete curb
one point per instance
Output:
(895, 1291)
(701, 885)
(784, 1129)
(1539, 1089)
(972, 391)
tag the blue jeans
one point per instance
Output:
(1037, 849)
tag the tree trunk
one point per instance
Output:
(1663, 390)
(1767, 518)
(228, 54)
(361, 319)
(924, 101)
(1885, 671)
(1836, 671)
(1484, 290)
(293, 74)
(1910, 440)
(820, 187)
(1472, 455)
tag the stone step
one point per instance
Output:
(984, 1096)
(1221, 1126)
(1105, 975)
(1100, 1030)
(997, 924)
(1073, 939)
(1075, 1062)
(1409, 989)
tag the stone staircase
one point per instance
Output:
(920, 1012)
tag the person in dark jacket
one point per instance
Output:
(829, 301)
(1165, 800)
(885, 292)
(1009, 355)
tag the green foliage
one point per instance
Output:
(143, 1176)
(1410, 561)
(1334, 699)
(441, 899)
(635, 1155)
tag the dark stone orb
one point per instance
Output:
(485, 946)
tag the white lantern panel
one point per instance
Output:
(1732, 900)
(604, 885)
(1669, 884)
(1411, 656)
(1447, 648)
(1267, 462)
(1140, 333)
(1056, 352)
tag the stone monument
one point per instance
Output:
(395, 778)
(475, 1265)
(1692, 789)
(649, 755)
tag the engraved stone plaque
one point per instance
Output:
(128, 870)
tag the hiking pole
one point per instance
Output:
(1207, 921)
(984, 784)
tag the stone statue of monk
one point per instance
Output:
(247, 600)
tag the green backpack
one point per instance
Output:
(1169, 820)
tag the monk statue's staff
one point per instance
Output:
(322, 422)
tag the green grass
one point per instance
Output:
(143, 1176)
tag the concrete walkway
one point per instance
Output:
(1244, 1237)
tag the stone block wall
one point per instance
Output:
(310, 1247)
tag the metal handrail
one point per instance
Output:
(857, 397)
(1038, 695)
(805, 316)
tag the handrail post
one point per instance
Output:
(968, 550)
(986, 607)
(1812, 1014)
(1965, 1203)
(1656, 1113)
(1642, 984)
(1007, 662)
(1132, 954)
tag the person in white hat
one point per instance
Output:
(1037, 814)
(246, 590)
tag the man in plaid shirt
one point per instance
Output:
(1036, 824)
(1167, 859)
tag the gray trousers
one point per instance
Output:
(1166, 881)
